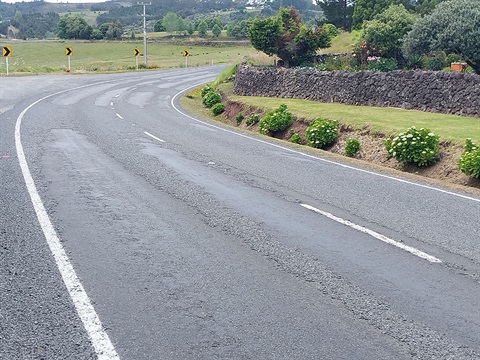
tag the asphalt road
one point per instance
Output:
(156, 235)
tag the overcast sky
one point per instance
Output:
(60, 1)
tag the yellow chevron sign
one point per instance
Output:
(6, 51)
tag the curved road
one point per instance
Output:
(131, 230)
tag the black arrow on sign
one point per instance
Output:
(137, 52)
(6, 51)
(69, 51)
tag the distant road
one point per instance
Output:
(130, 229)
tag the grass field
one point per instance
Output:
(31, 57)
(48, 56)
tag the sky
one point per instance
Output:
(59, 1)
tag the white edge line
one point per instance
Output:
(153, 136)
(91, 322)
(374, 234)
(119, 116)
(315, 157)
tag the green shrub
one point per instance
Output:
(296, 138)
(252, 119)
(321, 133)
(416, 61)
(331, 30)
(469, 162)
(211, 98)
(382, 64)
(351, 147)
(239, 118)
(437, 61)
(275, 120)
(414, 146)
(205, 90)
(217, 109)
(434, 64)
(451, 58)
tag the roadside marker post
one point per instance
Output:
(6, 53)
(136, 53)
(68, 52)
(185, 53)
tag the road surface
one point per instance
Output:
(132, 230)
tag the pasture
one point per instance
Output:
(37, 57)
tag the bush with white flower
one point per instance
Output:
(419, 147)
(469, 162)
(321, 133)
(275, 121)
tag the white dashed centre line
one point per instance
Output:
(153, 137)
(376, 235)
(119, 116)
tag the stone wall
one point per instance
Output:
(449, 93)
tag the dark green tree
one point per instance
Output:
(424, 7)
(338, 12)
(73, 27)
(216, 30)
(111, 30)
(386, 30)
(287, 37)
(202, 29)
(367, 10)
(453, 27)
(158, 26)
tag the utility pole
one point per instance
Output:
(144, 32)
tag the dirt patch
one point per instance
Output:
(372, 147)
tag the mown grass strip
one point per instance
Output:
(389, 121)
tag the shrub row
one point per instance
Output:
(212, 100)
(414, 146)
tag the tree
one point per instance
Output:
(73, 27)
(338, 12)
(367, 10)
(173, 23)
(158, 26)
(424, 7)
(286, 36)
(111, 30)
(239, 29)
(202, 29)
(453, 27)
(386, 31)
(216, 30)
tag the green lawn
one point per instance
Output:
(341, 43)
(389, 121)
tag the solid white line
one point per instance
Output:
(153, 136)
(316, 157)
(99, 338)
(119, 116)
(376, 235)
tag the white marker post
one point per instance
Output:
(186, 61)
(6, 52)
(68, 53)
